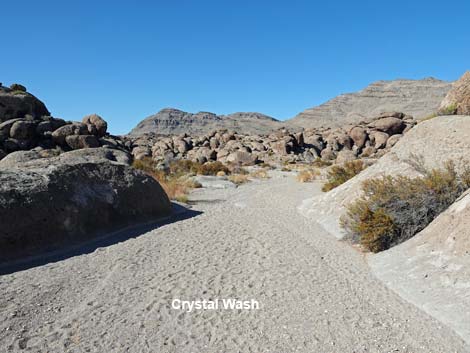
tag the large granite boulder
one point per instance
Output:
(49, 202)
(17, 103)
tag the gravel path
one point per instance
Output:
(316, 294)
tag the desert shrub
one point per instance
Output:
(146, 164)
(260, 174)
(212, 168)
(308, 175)
(175, 181)
(184, 166)
(339, 174)
(16, 87)
(394, 209)
(266, 165)
(451, 109)
(236, 169)
(238, 179)
(320, 163)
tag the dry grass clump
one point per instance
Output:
(175, 182)
(309, 175)
(394, 209)
(338, 175)
(238, 179)
(260, 174)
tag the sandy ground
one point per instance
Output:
(316, 294)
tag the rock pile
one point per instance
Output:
(26, 124)
(367, 139)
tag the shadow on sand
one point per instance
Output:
(179, 213)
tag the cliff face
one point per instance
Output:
(418, 98)
(171, 121)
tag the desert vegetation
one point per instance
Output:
(395, 208)
(339, 174)
(308, 175)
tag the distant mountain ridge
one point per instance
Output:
(418, 98)
(170, 121)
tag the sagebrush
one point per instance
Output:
(395, 208)
(339, 174)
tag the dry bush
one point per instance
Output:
(320, 163)
(212, 168)
(175, 181)
(184, 167)
(338, 175)
(394, 209)
(260, 174)
(238, 179)
(306, 176)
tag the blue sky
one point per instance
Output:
(126, 60)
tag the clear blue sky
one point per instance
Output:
(128, 59)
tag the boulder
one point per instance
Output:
(51, 202)
(392, 140)
(315, 141)
(96, 125)
(457, 100)
(345, 155)
(328, 154)
(380, 139)
(76, 142)
(23, 130)
(389, 125)
(242, 158)
(18, 103)
(358, 135)
(61, 133)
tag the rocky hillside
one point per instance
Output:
(418, 98)
(171, 121)
(366, 140)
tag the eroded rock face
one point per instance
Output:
(457, 101)
(54, 201)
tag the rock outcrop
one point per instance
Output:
(171, 121)
(368, 139)
(48, 202)
(418, 98)
(457, 101)
(16, 103)
(26, 124)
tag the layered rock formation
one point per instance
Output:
(174, 122)
(418, 98)
(367, 139)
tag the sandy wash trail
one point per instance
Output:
(316, 294)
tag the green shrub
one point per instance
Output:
(18, 88)
(451, 109)
(184, 166)
(338, 175)
(394, 209)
